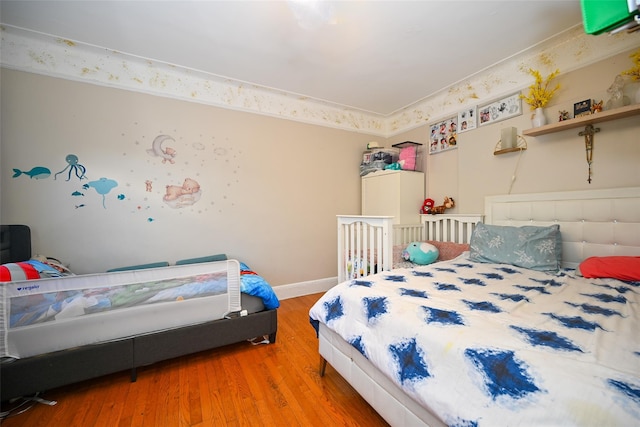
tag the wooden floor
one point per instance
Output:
(238, 385)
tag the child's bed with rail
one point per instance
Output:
(494, 337)
(365, 241)
(63, 329)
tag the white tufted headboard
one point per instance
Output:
(592, 222)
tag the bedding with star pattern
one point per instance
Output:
(488, 344)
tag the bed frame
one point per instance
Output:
(592, 223)
(25, 377)
(30, 375)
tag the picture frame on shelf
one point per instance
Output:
(467, 119)
(502, 109)
(443, 135)
(582, 108)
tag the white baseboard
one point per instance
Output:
(304, 288)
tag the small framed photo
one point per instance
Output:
(467, 119)
(502, 109)
(582, 108)
(443, 136)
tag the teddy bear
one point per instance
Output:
(427, 206)
(190, 186)
(172, 192)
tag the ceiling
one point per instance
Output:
(374, 56)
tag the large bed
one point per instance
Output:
(498, 335)
(58, 328)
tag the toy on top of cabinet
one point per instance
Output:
(449, 203)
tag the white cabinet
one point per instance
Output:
(392, 192)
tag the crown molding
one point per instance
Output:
(34, 52)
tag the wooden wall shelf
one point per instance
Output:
(521, 146)
(603, 116)
(508, 150)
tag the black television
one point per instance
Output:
(603, 16)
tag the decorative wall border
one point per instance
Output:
(568, 51)
(39, 53)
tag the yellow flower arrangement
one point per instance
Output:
(634, 72)
(539, 92)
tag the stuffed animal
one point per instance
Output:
(427, 206)
(448, 204)
(421, 253)
(596, 107)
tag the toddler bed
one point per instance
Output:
(368, 244)
(531, 326)
(63, 329)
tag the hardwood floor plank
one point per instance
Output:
(217, 389)
(137, 402)
(111, 407)
(206, 404)
(236, 385)
(129, 407)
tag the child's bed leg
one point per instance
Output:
(323, 366)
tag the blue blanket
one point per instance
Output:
(253, 284)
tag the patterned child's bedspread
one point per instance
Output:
(56, 305)
(495, 345)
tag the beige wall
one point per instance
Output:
(553, 162)
(270, 187)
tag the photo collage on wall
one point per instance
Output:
(467, 119)
(502, 109)
(443, 135)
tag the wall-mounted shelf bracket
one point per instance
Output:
(521, 145)
(588, 133)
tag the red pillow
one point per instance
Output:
(615, 267)
(15, 271)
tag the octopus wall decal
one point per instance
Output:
(73, 166)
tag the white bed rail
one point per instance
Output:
(73, 330)
(407, 233)
(365, 243)
(455, 228)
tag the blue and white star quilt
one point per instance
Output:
(483, 344)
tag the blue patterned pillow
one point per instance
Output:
(536, 248)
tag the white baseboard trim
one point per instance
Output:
(304, 288)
